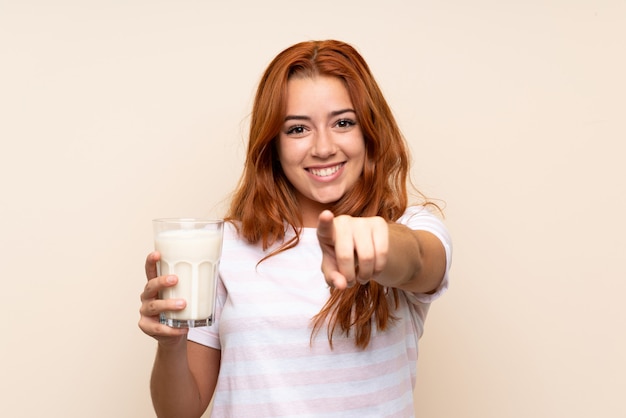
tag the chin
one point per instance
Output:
(327, 201)
(328, 198)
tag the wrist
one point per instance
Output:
(172, 344)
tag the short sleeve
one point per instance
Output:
(209, 336)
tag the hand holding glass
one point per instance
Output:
(191, 250)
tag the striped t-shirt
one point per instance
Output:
(269, 365)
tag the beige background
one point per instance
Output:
(115, 112)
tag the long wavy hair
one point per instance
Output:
(264, 204)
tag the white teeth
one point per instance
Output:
(325, 172)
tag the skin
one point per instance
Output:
(321, 150)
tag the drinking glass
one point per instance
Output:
(190, 249)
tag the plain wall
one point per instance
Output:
(115, 112)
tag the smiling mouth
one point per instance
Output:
(326, 171)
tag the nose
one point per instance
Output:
(323, 144)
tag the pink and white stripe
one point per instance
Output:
(270, 368)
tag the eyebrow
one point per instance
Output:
(333, 113)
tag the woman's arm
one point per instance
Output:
(183, 379)
(184, 374)
(416, 260)
(363, 249)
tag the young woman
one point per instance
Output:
(326, 273)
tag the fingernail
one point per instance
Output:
(171, 279)
(179, 304)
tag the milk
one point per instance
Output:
(192, 255)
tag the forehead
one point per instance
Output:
(316, 91)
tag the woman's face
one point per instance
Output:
(320, 147)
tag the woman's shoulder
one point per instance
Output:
(419, 212)
(425, 218)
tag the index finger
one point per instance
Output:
(151, 264)
(326, 227)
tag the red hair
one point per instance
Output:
(264, 203)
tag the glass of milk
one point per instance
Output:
(190, 249)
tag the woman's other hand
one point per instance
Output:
(152, 307)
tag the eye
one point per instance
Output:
(345, 123)
(295, 130)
